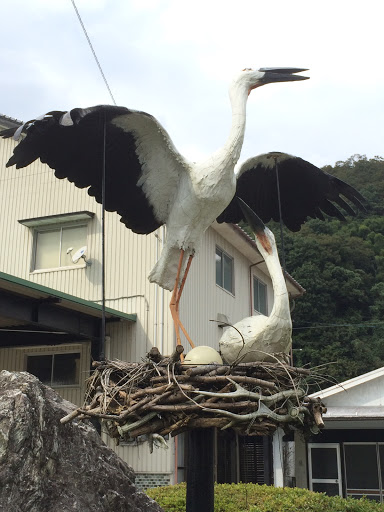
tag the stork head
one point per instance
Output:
(253, 220)
(263, 235)
(252, 78)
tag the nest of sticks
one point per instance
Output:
(162, 396)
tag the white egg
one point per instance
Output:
(203, 355)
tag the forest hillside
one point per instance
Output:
(339, 321)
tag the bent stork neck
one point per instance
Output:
(281, 298)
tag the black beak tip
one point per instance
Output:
(290, 71)
(283, 74)
(253, 220)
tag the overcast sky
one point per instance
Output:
(175, 60)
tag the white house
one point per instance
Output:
(50, 306)
(347, 458)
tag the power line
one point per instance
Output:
(103, 320)
(93, 51)
(325, 326)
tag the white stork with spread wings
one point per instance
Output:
(149, 183)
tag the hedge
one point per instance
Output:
(263, 498)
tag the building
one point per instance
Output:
(347, 457)
(50, 301)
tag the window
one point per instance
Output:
(363, 464)
(254, 456)
(224, 270)
(55, 369)
(57, 238)
(51, 245)
(259, 296)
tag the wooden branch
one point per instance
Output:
(317, 411)
(131, 426)
(191, 407)
(282, 395)
(160, 389)
(154, 355)
(223, 390)
(244, 380)
(274, 366)
(175, 356)
(69, 417)
(206, 422)
(178, 397)
(181, 424)
(221, 378)
(152, 404)
(154, 426)
(97, 414)
(132, 409)
(201, 369)
(95, 401)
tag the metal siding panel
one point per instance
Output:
(141, 460)
(11, 360)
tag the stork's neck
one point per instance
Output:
(238, 94)
(281, 298)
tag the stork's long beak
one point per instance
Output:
(282, 75)
(253, 220)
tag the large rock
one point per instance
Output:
(46, 466)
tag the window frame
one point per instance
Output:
(232, 259)
(59, 226)
(260, 282)
(52, 384)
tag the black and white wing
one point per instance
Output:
(143, 167)
(305, 191)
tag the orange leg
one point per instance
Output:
(183, 281)
(175, 300)
(173, 303)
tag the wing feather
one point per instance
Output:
(305, 191)
(143, 167)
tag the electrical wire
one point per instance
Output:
(93, 51)
(102, 340)
(325, 326)
(104, 137)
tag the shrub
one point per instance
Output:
(263, 498)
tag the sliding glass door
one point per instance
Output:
(324, 468)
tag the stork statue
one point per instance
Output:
(259, 337)
(149, 183)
